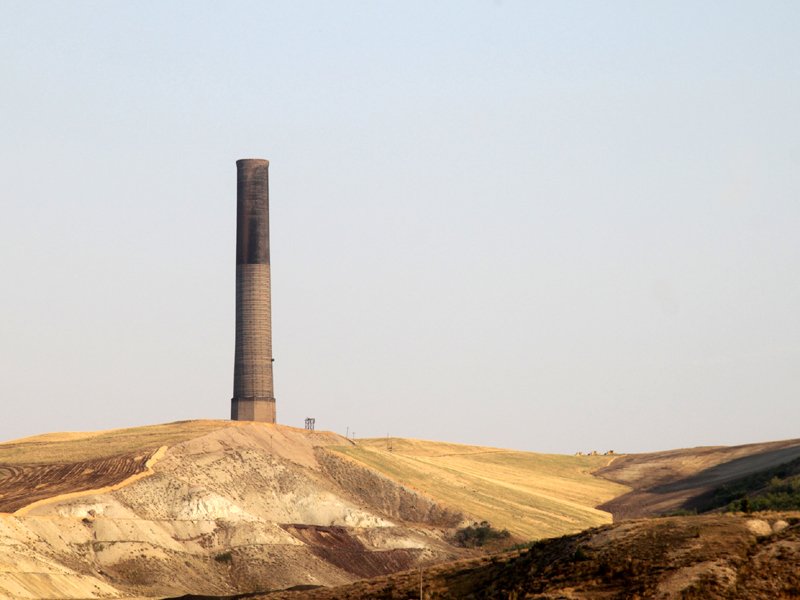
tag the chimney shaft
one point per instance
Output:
(253, 396)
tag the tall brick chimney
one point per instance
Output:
(253, 395)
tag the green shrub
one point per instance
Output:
(478, 534)
(579, 554)
(776, 488)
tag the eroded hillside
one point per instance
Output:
(219, 508)
(209, 507)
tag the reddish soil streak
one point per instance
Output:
(336, 546)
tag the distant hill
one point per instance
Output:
(686, 480)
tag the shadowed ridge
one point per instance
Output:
(668, 481)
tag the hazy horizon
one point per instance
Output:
(544, 226)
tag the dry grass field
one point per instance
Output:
(531, 495)
(73, 447)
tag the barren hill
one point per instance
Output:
(218, 507)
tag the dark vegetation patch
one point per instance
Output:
(478, 535)
(777, 488)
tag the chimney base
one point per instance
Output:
(253, 409)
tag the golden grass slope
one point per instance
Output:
(531, 495)
(82, 446)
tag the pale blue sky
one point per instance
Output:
(553, 226)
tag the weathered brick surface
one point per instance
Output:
(253, 395)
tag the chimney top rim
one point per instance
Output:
(253, 161)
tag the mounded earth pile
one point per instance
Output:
(202, 507)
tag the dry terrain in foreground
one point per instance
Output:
(709, 557)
